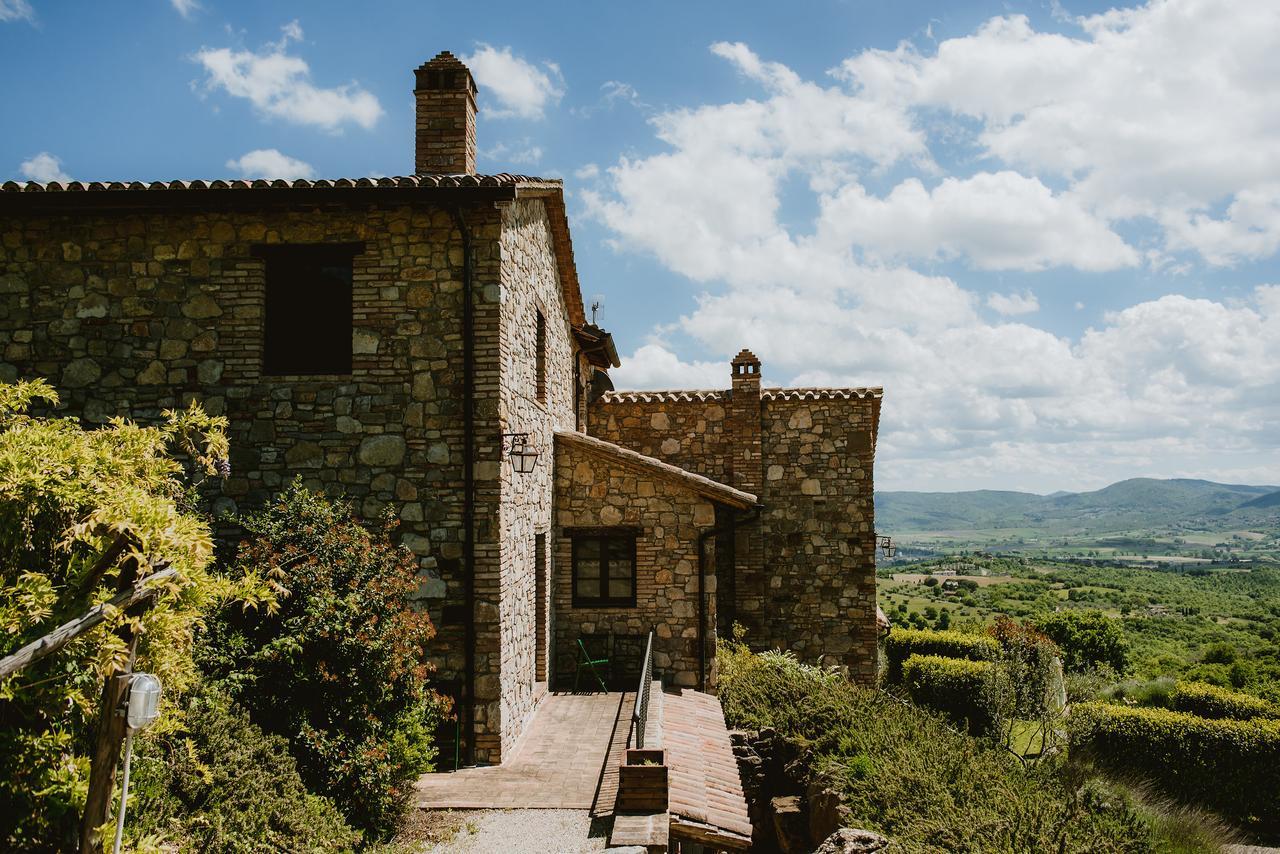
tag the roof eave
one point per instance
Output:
(714, 491)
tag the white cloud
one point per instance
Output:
(521, 152)
(999, 221)
(17, 10)
(1159, 112)
(279, 85)
(1011, 304)
(1067, 160)
(522, 89)
(654, 366)
(588, 172)
(44, 167)
(270, 163)
(186, 8)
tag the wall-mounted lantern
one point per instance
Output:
(522, 454)
(887, 548)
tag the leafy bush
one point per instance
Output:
(965, 691)
(1210, 701)
(1030, 661)
(340, 670)
(1232, 766)
(1088, 639)
(223, 785)
(904, 643)
(904, 772)
(1152, 693)
(78, 510)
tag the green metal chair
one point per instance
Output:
(585, 660)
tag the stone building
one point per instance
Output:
(412, 342)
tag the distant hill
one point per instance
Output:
(1137, 503)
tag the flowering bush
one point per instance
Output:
(340, 669)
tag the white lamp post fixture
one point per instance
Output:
(141, 708)
(522, 454)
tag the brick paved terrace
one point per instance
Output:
(558, 764)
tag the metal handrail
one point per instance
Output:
(640, 714)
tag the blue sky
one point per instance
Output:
(1048, 229)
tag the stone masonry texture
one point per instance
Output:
(135, 312)
(804, 575)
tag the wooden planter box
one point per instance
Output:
(641, 787)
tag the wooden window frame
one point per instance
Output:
(278, 260)
(540, 355)
(603, 536)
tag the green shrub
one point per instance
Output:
(66, 495)
(1088, 640)
(902, 771)
(1211, 701)
(904, 643)
(340, 670)
(963, 690)
(1152, 693)
(1231, 766)
(223, 785)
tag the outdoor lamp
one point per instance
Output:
(141, 708)
(887, 548)
(144, 701)
(522, 454)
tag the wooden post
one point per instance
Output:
(109, 735)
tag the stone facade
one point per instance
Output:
(802, 576)
(135, 298)
(600, 486)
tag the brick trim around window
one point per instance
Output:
(603, 567)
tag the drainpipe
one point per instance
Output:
(729, 527)
(468, 490)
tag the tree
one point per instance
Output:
(80, 510)
(1088, 640)
(340, 669)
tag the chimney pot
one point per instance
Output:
(445, 93)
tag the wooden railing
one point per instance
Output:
(640, 716)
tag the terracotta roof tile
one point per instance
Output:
(706, 798)
(551, 190)
(401, 181)
(706, 396)
(705, 486)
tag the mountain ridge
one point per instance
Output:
(1124, 505)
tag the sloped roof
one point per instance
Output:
(707, 801)
(705, 486)
(402, 181)
(708, 395)
(32, 196)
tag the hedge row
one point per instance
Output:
(904, 643)
(1231, 766)
(1210, 701)
(957, 687)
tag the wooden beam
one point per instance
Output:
(69, 631)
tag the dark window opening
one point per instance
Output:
(540, 606)
(308, 308)
(540, 357)
(604, 569)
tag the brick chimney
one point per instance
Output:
(446, 126)
(744, 421)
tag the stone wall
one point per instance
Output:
(530, 285)
(804, 574)
(818, 530)
(132, 312)
(593, 492)
(684, 428)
